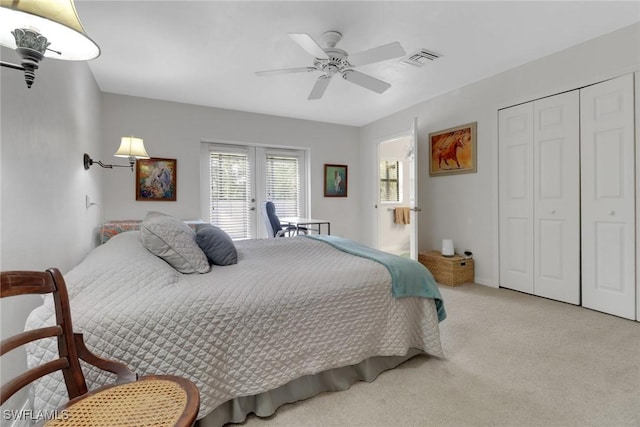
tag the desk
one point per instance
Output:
(311, 224)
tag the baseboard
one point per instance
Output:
(485, 282)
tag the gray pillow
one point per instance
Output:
(217, 245)
(173, 241)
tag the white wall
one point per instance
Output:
(43, 220)
(174, 130)
(465, 207)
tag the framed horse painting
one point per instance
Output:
(453, 150)
(156, 180)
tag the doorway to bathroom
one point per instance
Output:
(397, 219)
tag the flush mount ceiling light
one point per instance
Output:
(43, 28)
(130, 147)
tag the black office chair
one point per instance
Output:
(272, 222)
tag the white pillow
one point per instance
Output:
(173, 241)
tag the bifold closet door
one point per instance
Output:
(637, 107)
(556, 159)
(539, 157)
(608, 197)
(515, 135)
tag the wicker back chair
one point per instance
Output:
(128, 401)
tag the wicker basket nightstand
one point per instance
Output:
(450, 271)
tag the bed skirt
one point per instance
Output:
(338, 379)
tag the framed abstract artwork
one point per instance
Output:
(453, 150)
(156, 180)
(335, 180)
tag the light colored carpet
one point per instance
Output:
(511, 360)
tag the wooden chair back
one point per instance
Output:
(131, 401)
(36, 282)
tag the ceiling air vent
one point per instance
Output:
(420, 57)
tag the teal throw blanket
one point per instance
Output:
(408, 277)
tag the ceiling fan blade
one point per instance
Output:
(377, 54)
(285, 71)
(309, 44)
(365, 81)
(319, 87)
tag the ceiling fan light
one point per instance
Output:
(331, 61)
(56, 20)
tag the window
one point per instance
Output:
(390, 181)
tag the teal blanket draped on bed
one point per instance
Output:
(408, 277)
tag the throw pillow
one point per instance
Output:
(173, 241)
(217, 245)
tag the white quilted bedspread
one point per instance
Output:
(290, 307)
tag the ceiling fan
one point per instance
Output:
(330, 60)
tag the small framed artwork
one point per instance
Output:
(156, 180)
(335, 180)
(453, 150)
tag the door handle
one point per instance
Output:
(416, 209)
(252, 208)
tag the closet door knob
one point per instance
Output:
(612, 213)
(553, 211)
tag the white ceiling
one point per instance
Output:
(206, 52)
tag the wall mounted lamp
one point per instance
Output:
(31, 26)
(130, 147)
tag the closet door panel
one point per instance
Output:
(637, 107)
(556, 142)
(516, 197)
(608, 197)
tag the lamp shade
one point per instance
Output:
(56, 20)
(132, 147)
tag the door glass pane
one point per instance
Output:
(283, 184)
(231, 190)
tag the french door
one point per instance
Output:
(237, 179)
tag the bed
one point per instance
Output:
(293, 317)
